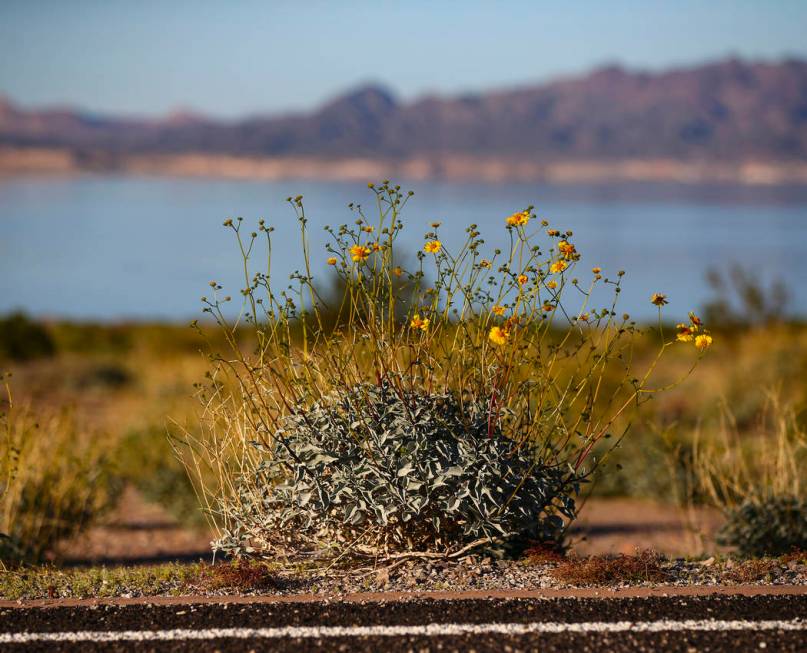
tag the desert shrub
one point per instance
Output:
(55, 478)
(418, 470)
(104, 376)
(22, 339)
(773, 525)
(519, 389)
(742, 300)
(755, 478)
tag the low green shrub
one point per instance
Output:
(771, 526)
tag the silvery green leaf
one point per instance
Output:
(405, 470)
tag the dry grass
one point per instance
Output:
(238, 576)
(752, 571)
(161, 365)
(644, 567)
(769, 459)
(754, 474)
(55, 478)
(541, 554)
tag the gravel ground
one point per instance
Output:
(475, 573)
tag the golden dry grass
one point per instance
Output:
(161, 364)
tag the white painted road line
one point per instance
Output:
(430, 630)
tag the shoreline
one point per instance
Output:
(62, 162)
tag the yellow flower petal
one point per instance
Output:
(359, 253)
(498, 336)
(518, 219)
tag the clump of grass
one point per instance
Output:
(541, 553)
(238, 576)
(522, 349)
(169, 579)
(756, 480)
(752, 571)
(55, 478)
(644, 567)
(99, 582)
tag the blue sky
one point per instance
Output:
(233, 58)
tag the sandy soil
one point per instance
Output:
(624, 525)
(137, 532)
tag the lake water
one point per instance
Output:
(109, 248)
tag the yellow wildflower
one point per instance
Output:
(498, 335)
(522, 279)
(397, 271)
(368, 229)
(686, 332)
(583, 316)
(518, 219)
(567, 249)
(359, 253)
(558, 266)
(484, 263)
(552, 284)
(497, 310)
(703, 341)
(376, 247)
(546, 308)
(432, 247)
(418, 322)
(658, 299)
(596, 270)
(331, 260)
(694, 320)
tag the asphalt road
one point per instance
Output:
(684, 623)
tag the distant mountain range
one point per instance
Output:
(723, 116)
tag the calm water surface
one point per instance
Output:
(120, 247)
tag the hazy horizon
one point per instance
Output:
(377, 83)
(233, 60)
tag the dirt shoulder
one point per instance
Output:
(375, 597)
